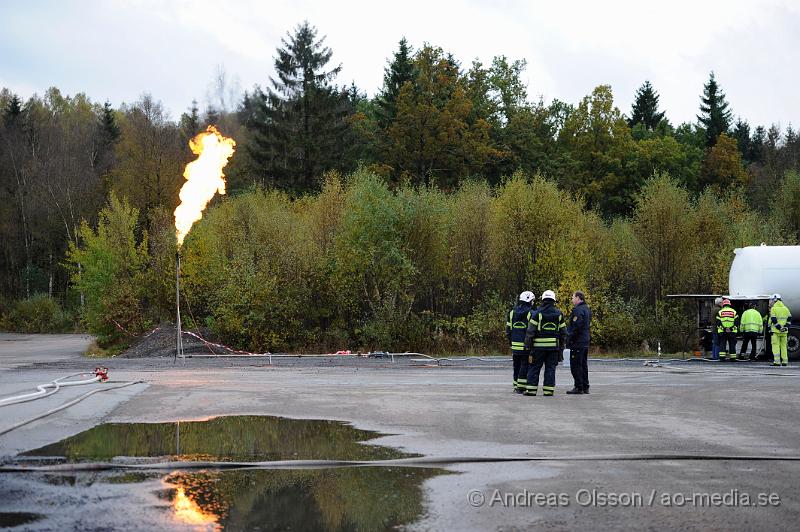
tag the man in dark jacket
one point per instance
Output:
(544, 339)
(516, 325)
(578, 343)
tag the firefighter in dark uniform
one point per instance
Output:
(544, 338)
(578, 343)
(727, 327)
(516, 325)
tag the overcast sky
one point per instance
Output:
(118, 49)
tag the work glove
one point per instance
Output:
(784, 329)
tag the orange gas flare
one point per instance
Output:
(188, 511)
(203, 177)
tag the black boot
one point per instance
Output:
(585, 391)
(574, 391)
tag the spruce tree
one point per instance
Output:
(645, 108)
(757, 142)
(741, 132)
(399, 71)
(12, 112)
(190, 122)
(108, 124)
(715, 117)
(299, 120)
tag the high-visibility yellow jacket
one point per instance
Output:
(779, 317)
(751, 321)
(727, 318)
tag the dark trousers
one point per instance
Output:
(547, 358)
(727, 345)
(579, 366)
(522, 376)
(749, 337)
(518, 369)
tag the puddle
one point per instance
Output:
(330, 499)
(347, 498)
(12, 519)
(231, 438)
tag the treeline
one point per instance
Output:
(362, 265)
(435, 129)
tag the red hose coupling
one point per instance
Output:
(102, 373)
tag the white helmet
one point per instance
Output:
(527, 296)
(549, 294)
(775, 297)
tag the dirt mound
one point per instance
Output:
(161, 342)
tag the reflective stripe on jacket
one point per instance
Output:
(545, 328)
(779, 317)
(516, 325)
(751, 321)
(726, 319)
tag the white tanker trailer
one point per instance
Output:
(756, 273)
(760, 271)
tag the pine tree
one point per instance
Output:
(298, 122)
(190, 122)
(715, 117)
(108, 124)
(12, 112)
(756, 153)
(399, 71)
(741, 132)
(645, 108)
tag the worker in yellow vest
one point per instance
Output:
(779, 320)
(727, 327)
(750, 326)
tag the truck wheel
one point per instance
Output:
(793, 343)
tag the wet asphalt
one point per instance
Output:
(684, 445)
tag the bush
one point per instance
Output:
(108, 267)
(38, 314)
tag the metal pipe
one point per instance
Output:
(179, 339)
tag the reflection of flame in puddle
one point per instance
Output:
(190, 512)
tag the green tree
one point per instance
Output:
(600, 143)
(433, 139)
(12, 111)
(107, 266)
(150, 158)
(785, 208)
(741, 132)
(722, 166)
(399, 72)
(715, 116)
(108, 124)
(645, 108)
(757, 145)
(189, 124)
(662, 224)
(298, 122)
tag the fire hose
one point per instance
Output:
(100, 375)
(401, 462)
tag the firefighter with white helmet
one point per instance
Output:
(516, 325)
(545, 339)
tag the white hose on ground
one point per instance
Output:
(65, 405)
(43, 389)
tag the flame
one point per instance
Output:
(203, 177)
(190, 512)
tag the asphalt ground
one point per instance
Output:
(670, 445)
